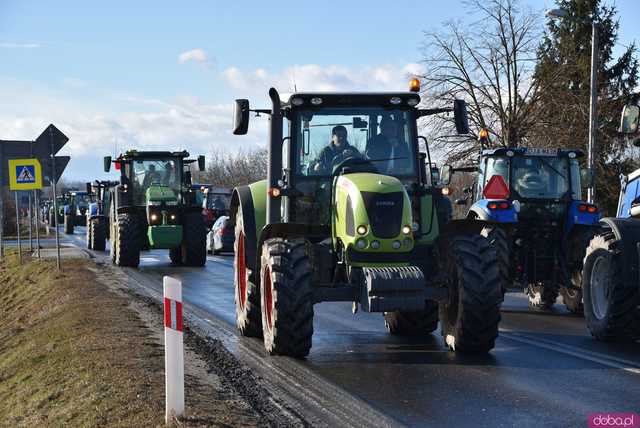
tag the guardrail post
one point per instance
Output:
(174, 350)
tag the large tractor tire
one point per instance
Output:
(52, 219)
(194, 240)
(542, 296)
(113, 240)
(89, 233)
(68, 224)
(175, 254)
(247, 287)
(98, 233)
(127, 241)
(572, 297)
(287, 298)
(400, 323)
(499, 239)
(611, 304)
(469, 317)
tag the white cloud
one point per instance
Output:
(9, 45)
(313, 77)
(197, 55)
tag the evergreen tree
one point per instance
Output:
(563, 73)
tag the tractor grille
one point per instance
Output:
(385, 212)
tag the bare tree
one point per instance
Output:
(227, 169)
(489, 64)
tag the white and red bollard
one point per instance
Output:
(173, 348)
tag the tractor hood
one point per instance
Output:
(161, 194)
(372, 209)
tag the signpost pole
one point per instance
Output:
(37, 207)
(18, 229)
(30, 223)
(55, 203)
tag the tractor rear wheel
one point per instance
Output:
(498, 237)
(98, 233)
(128, 241)
(68, 224)
(175, 254)
(287, 298)
(542, 296)
(611, 304)
(194, 240)
(470, 316)
(400, 323)
(247, 290)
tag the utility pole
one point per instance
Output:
(593, 111)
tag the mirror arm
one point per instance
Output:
(432, 111)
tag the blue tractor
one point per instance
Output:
(611, 266)
(75, 210)
(97, 215)
(538, 222)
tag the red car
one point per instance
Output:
(216, 203)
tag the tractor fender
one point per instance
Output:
(627, 232)
(575, 217)
(481, 211)
(253, 217)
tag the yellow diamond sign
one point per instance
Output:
(25, 174)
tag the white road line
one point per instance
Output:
(596, 357)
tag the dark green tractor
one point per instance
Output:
(75, 210)
(366, 226)
(98, 214)
(56, 218)
(154, 207)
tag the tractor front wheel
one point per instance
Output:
(68, 224)
(194, 240)
(470, 316)
(247, 290)
(287, 298)
(611, 304)
(400, 323)
(127, 241)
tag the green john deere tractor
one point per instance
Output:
(349, 213)
(154, 207)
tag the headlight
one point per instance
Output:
(154, 217)
(173, 217)
(362, 229)
(396, 245)
(406, 229)
(361, 244)
(375, 244)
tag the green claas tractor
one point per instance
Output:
(98, 214)
(154, 207)
(349, 213)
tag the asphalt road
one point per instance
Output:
(546, 370)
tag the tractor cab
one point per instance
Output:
(216, 202)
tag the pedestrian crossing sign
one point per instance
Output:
(25, 174)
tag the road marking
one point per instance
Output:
(596, 357)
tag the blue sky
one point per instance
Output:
(163, 74)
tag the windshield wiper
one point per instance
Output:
(551, 167)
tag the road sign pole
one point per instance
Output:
(55, 202)
(30, 224)
(37, 207)
(18, 229)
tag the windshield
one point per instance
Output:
(81, 199)
(326, 137)
(533, 177)
(218, 201)
(159, 171)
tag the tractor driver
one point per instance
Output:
(529, 181)
(388, 146)
(151, 176)
(337, 150)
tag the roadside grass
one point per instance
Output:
(71, 353)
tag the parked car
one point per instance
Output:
(221, 236)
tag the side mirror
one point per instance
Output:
(107, 163)
(89, 188)
(460, 116)
(461, 201)
(586, 177)
(629, 119)
(445, 175)
(201, 164)
(241, 117)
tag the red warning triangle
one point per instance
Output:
(496, 188)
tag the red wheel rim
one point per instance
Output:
(241, 272)
(268, 297)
